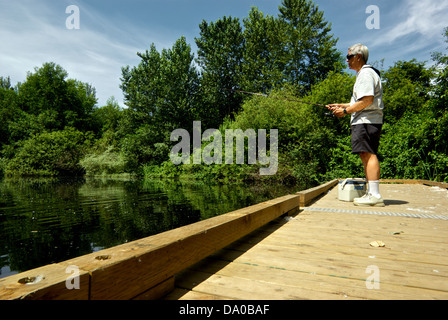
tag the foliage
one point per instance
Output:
(220, 53)
(406, 88)
(46, 123)
(309, 53)
(262, 64)
(414, 144)
(107, 162)
(107, 118)
(66, 102)
(8, 109)
(50, 154)
(162, 88)
(160, 93)
(306, 135)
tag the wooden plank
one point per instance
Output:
(402, 181)
(307, 196)
(403, 258)
(186, 294)
(338, 259)
(400, 281)
(416, 181)
(395, 230)
(317, 285)
(160, 290)
(435, 184)
(379, 227)
(45, 283)
(335, 266)
(249, 288)
(433, 246)
(307, 239)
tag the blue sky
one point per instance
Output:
(112, 32)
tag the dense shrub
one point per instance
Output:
(107, 162)
(50, 154)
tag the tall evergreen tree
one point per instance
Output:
(439, 102)
(163, 87)
(141, 85)
(310, 47)
(160, 94)
(8, 108)
(220, 52)
(263, 58)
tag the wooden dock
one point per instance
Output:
(325, 252)
(293, 247)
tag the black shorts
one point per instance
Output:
(366, 138)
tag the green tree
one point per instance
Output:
(8, 108)
(142, 85)
(107, 117)
(406, 87)
(310, 47)
(182, 81)
(66, 102)
(303, 141)
(439, 101)
(39, 109)
(263, 63)
(415, 133)
(438, 106)
(161, 93)
(50, 154)
(220, 53)
(162, 88)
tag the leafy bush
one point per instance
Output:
(50, 154)
(107, 162)
(407, 149)
(3, 163)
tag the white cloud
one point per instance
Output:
(33, 33)
(426, 18)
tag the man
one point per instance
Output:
(366, 110)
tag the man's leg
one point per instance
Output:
(371, 166)
(372, 171)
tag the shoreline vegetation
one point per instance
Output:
(52, 126)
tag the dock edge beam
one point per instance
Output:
(309, 195)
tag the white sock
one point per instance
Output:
(374, 188)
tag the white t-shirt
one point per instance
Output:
(368, 83)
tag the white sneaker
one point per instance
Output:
(369, 200)
(364, 196)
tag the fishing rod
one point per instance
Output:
(328, 114)
(278, 98)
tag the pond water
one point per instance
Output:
(46, 221)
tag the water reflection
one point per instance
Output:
(46, 221)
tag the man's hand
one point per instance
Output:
(337, 109)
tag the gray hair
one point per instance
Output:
(361, 49)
